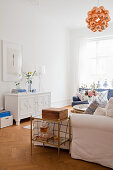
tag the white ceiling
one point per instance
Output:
(71, 13)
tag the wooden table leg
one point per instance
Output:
(58, 137)
(31, 135)
(69, 133)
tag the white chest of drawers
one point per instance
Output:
(27, 104)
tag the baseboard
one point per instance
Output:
(61, 103)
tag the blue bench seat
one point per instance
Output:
(77, 101)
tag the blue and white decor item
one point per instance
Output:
(98, 84)
(105, 84)
(6, 119)
(112, 83)
(18, 91)
(4, 113)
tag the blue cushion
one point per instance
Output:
(110, 93)
(79, 102)
(76, 98)
(5, 113)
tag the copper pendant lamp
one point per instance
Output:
(98, 19)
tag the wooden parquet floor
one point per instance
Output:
(15, 153)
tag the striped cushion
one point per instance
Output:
(92, 107)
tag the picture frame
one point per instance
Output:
(12, 61)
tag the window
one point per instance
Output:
(96, 61)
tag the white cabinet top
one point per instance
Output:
(26, 93)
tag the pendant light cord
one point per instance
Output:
(98, 3)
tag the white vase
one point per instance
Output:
(89, 100)
(17, 87)
(93, 98)
(29, 86)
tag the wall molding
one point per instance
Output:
(61, 103)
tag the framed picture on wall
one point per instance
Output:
(12, 61)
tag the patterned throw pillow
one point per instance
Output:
(82, 96)
(101, 98)
(92, 107)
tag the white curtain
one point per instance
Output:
(83, 62)
(95, 61)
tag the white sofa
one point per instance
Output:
(92, 138)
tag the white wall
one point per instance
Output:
(45, 42)
(76, 36)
